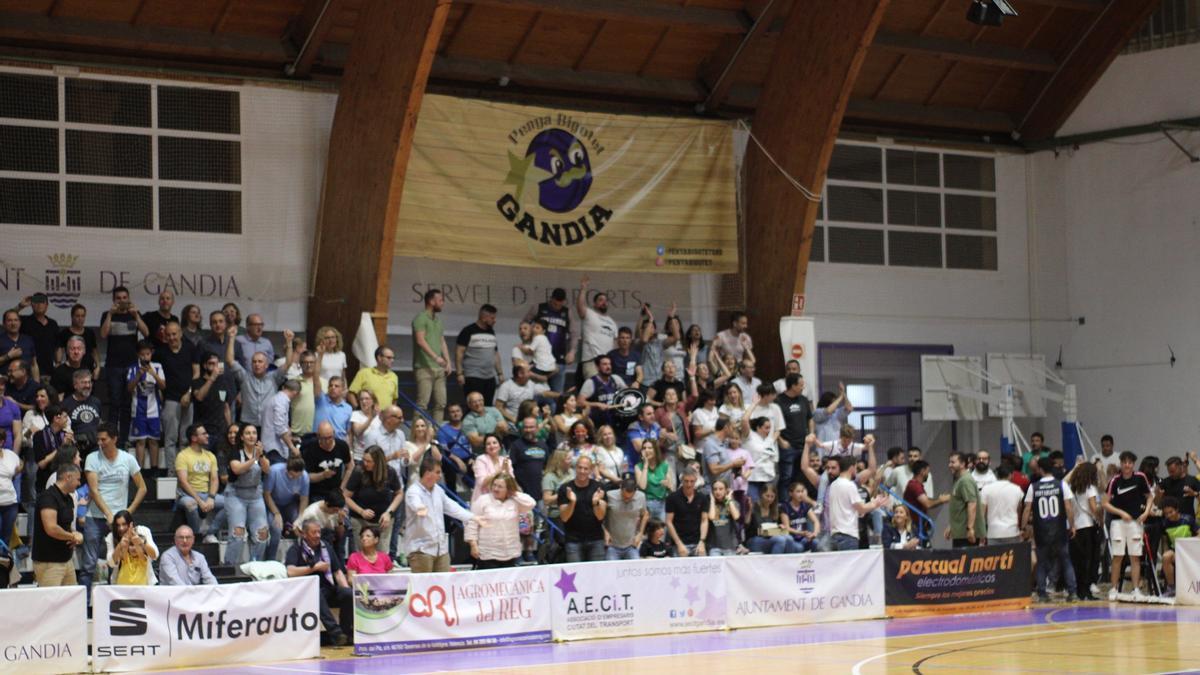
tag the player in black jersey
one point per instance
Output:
(1050, 507)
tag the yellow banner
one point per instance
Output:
(538, 187)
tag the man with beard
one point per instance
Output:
(599, 391)
(599, 330)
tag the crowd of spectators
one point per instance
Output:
(590, 441)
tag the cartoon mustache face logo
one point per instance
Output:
(565, 159)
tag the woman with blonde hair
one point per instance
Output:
(498, 543)
(901, 533)
(419, 443)
(334, 360)
(558, 471)
(610, 458)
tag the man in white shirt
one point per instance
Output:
(599, 332)
(746, 381)
(386, 432)
(425, 505)
(846, 506)
(514, 392)
(1002, 507)
(1108, 456)
(792, 367)
(844, 446)
(981, 472)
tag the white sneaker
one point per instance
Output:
(211, 539)
(1137, 594)
(1112, 595)
(1094, 589)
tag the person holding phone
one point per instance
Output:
(120, 327)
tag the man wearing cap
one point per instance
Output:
(42, 329)
(625, 522)
(558, 331)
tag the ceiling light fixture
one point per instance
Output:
(989, 12)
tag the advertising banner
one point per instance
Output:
(541, 187)
(637, 597)
(44, 630)
(1187, 571)
(809, 588)
(956, 581)
(152, 627)
(396, 613)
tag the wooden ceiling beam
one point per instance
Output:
(821, 51)
(1081, 5)
(702, 19)
(721, 70)
(308, 32)
(1100, 43)
(99, 37)
(967, 52)
(369, 146)
(916, 115)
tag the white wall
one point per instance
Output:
(1117, 226)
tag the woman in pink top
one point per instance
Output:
(489, 464)
(369, 560)
(498, 542)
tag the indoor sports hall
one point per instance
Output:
(646, 336)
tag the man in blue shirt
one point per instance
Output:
(331, 406)
(452, 437)
(625, 358)
(285, 491)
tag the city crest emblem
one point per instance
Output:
(63, 281)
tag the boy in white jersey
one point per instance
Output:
(145, 381)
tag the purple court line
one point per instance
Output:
(716, 641)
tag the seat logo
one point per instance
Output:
(125, 619)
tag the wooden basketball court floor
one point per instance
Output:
(1085, 638)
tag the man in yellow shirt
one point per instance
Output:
(380, 380)
(196, 469)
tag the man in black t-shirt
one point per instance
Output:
(178, 360)
(54, 536)
(582, 508)
(687, 516)
(1180, 485)
(1128, 500)
(42, 329)
(325, 459)
(120, 327)
(528, 456)
(84, 410)
(797, 425)
(156, 322)
(558, 331)
(1048, 504)
(212, 393)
